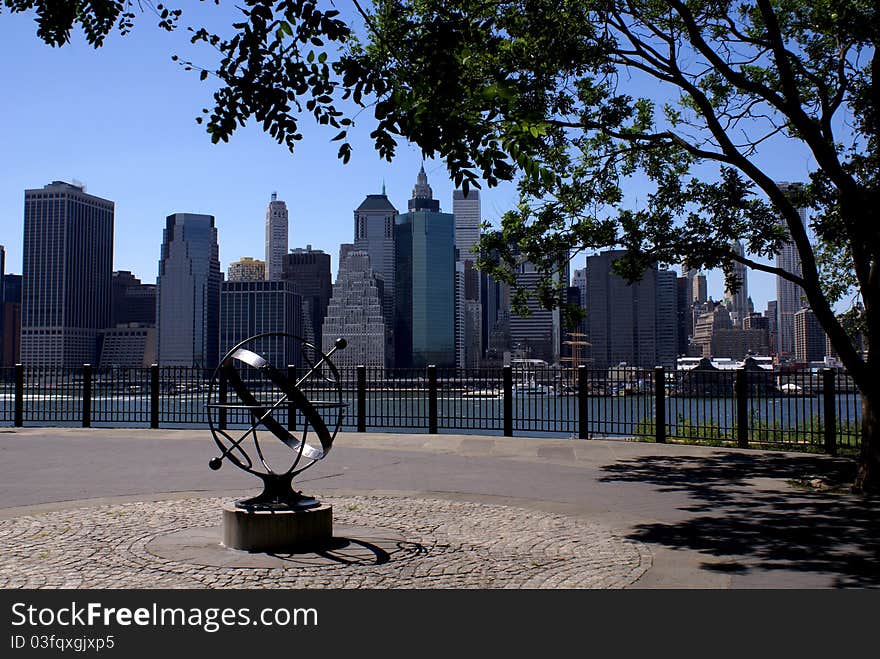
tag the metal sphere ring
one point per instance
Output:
(252, 390)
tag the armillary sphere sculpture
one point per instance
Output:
(262, 389)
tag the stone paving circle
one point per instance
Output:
(381, 542)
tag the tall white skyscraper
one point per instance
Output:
(466, 208)
(788, 294)
(738, 302)
(459, 315)
(276, 238)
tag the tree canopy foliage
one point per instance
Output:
(551, 93)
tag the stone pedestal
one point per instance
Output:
(276, 530)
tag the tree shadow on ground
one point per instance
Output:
(765, 524)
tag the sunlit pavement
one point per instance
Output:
(131, 508)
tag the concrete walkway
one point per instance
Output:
(616, 513)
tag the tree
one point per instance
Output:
(549, 92)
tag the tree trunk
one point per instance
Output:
(868, 474)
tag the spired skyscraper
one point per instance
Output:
(424, 313)
(188, 288)
(276, 238)
(68, 262)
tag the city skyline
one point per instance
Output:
(717, 286)
(122, 139)
(190, 250)
(422, 199)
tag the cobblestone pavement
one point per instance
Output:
(444, 544)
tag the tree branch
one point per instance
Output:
(764, 267)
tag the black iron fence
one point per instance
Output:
(744, 407)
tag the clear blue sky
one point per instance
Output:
(121, 119)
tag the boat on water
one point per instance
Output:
(532, 389)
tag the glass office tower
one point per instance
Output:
(189, 292)
(424, 329)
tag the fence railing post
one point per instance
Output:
(507, 386)
(741, 393)
(362, 399)
(87, 396)
(583, 407)
(222, 398)
(19, 395)
(660, 404)
(291, 408)
(154, 396)
(829, 410)
(432, 399)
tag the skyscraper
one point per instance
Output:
(309, 271)
(468, 305)
(738, 302)
(130, 345)
(355, 314)
(188, 288)
(246, 269)
(130, 339)
(772, 316)
(809, 337)
(700, 292)
(131, 301)
(422, 195)
(276, 238)
(630, 323)
(374, 234)
(68, 260)
(466, 209)
(689, 273)
(11, 313)
(424, 313)
(459, 313)
(538, 334)
(684, 314)
(579, 281)
(473, 316)
(248, 308)
(788, 294)
(492, 314)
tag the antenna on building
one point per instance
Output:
(383, 187)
